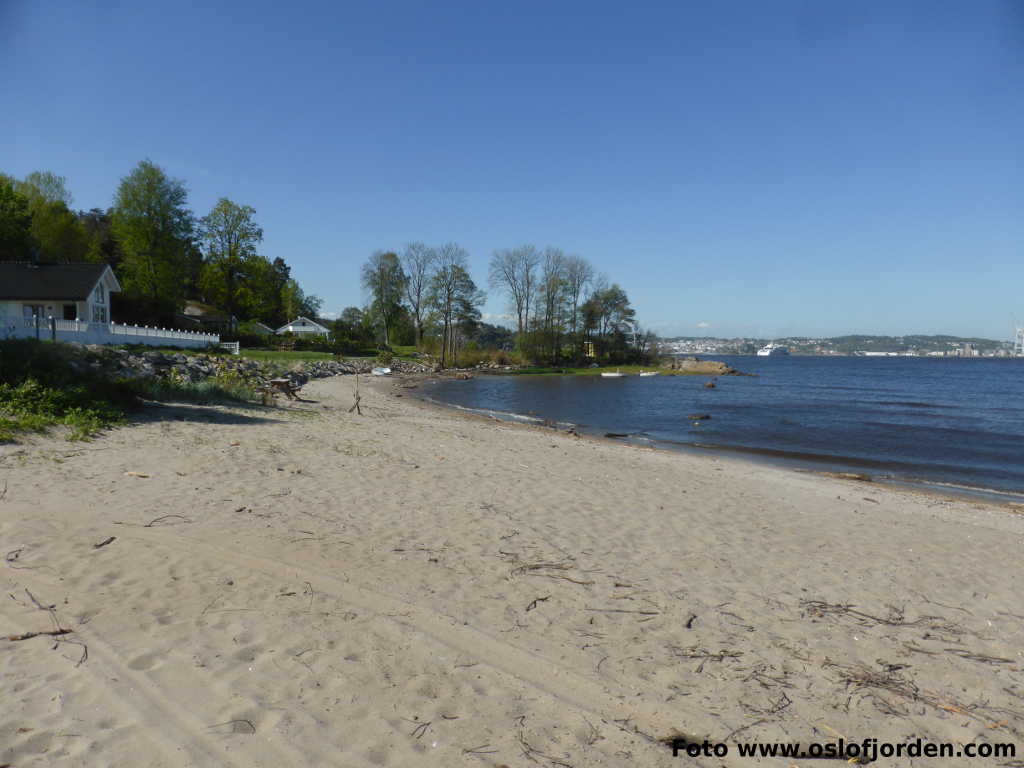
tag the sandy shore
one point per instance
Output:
(304, 586)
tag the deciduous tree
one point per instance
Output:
(417, 263)
(231, 272)
(154, 226)
(384, 282)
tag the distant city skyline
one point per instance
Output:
(742, 170)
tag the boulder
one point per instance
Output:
(699, 367)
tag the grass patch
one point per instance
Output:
(630, 370)
(44, 385)
(33, 407)
(285, 355)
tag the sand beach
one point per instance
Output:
(414, 587)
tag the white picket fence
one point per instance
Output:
(101, 333)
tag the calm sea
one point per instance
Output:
(942, 421)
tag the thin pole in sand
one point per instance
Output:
(355, 406)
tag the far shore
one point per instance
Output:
(305, 585)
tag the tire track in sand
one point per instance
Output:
(570, 686)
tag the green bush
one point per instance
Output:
(43, 384)
(30, 406)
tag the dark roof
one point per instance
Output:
(21, 280)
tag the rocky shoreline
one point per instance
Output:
(192, 369)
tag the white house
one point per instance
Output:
(71, 302)
(64, 291)
(303, 326)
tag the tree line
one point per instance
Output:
(160, 250)
(564, 311)
(561, 309)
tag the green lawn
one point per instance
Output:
(285, 355)
(631, 370)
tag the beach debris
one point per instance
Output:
(108, 540)
(533, 604)
(859, 476)
(624, 610)
(355, 406)
(135, 474)
(420, 729)
(616, 434)
(542, 568)
(531, 753)
(163, 520)
(242, 725)
(482, 749)
(57, 632)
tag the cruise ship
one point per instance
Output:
(772, 349)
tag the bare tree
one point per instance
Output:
(578, 276)
(515, 272)
(418, 263)
(552, 293)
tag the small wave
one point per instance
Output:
(908, 404)
(522, 418)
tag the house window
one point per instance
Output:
(100, 294)
(28, 311)
(99, 314)
(70, 313)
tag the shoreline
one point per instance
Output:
(1012, 500)
(302, 585)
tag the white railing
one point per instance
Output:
(102, 333)
(234, 347)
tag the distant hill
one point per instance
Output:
(845, 345)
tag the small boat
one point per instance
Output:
(616, 374)
(381, 371)
(648, 373)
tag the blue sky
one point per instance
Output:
(767, 167)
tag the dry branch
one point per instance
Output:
(48, 633)
(156, 520)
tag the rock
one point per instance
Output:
(694, 365)
(698, 416)
(709, 385)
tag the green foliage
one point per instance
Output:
(15, 224)
(31, 406)
(384, 282)
(234, 277)
(285, 355)
(44, 385)
(154, 226)
(58, 235)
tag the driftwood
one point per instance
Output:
(355, 406)
(57, 632)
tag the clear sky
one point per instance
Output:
(740, 167)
